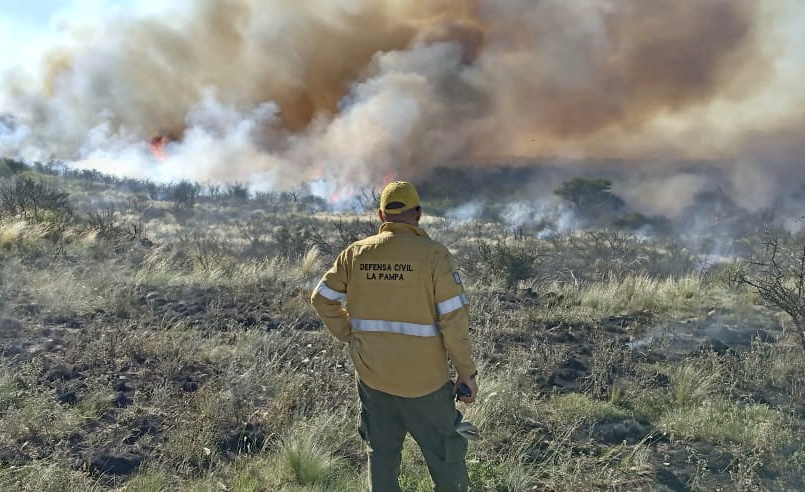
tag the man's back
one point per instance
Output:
(394, 283)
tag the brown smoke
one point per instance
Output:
(568, 71)
(354, 91)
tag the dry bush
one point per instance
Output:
(603, 255)
(30, 199)
(776, 271)
(342, 232)
(507, 261)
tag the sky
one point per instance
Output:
(27, 27)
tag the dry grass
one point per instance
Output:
(574, 409)
(209, 323)
(716, 420)
(10, 232)
(693, 382)
(641, 293)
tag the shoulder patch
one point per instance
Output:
(457, 278)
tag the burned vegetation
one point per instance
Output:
(159, 337)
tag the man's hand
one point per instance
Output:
(471, 384)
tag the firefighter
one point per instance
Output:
(406, 312)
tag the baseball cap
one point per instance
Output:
(398, 197)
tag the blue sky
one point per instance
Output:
(36, 12)
(21, 22)
(28, 26)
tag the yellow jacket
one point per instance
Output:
(405, 310)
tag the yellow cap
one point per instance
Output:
(398, 197)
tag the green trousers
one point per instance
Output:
(431, 420)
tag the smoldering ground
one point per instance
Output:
(352, 93)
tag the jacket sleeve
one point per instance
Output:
(328, 296)
(452, 310)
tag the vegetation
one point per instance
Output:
(776, 270)
(159, 337)
(591, 197)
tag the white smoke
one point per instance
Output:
(357, 92)
(466, 212)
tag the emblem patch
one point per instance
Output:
(457, 278)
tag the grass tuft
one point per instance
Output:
(720, 421)
(641, 293)
(578, 408)
(500, 406)
(10, 232)
(692, 382)
(309, 461)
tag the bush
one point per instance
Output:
(11, 166)
(776, 271)
(238, 192)
(32, 199)
(184, 195)
(508, 262)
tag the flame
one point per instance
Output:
(158, 144)
(389, 176)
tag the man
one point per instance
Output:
(406, 311)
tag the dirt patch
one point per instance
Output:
(107, 462)
(623, 431)
(214, 308)
(719, 331)
(190, 377)
(146, 425)
(245, 438)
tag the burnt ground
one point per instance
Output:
(116, 442)
(641, 339)
(122, 436)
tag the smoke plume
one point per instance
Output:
(354, 92)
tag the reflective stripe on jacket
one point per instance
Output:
(406, 312)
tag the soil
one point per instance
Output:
(114, 446)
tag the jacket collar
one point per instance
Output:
(401, 228)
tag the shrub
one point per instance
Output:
(776, 270)
(23, 196)
(184, 194)
(509, 262)
(11, 166)
(238, 192)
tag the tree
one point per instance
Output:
(591, 197)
